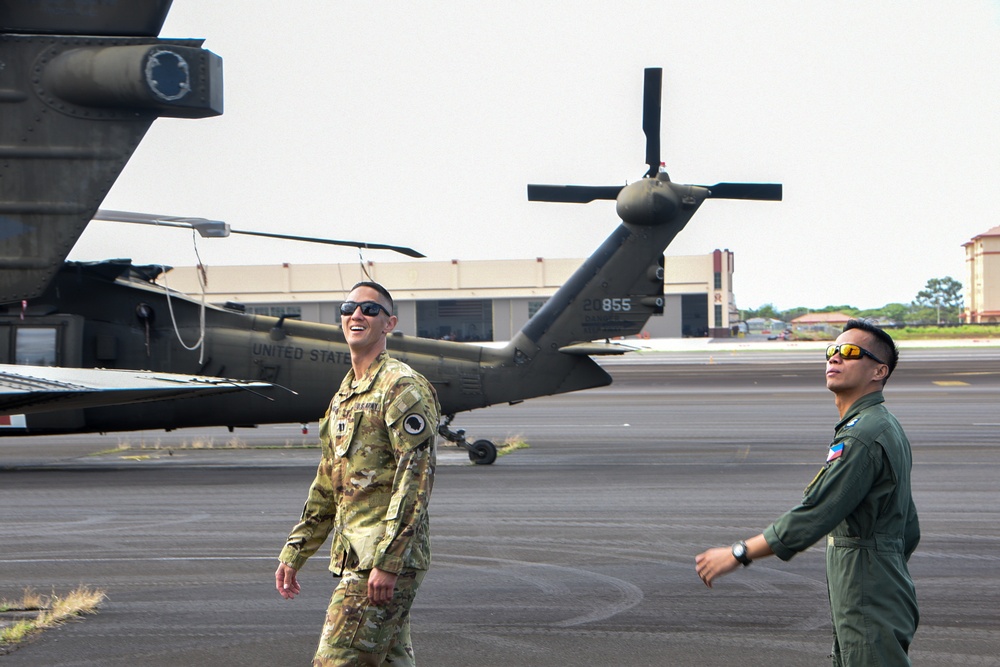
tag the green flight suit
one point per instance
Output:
(371, 493)
(861, 501)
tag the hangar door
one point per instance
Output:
(456, 319)
(694, 315)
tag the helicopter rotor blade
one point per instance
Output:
(652, 90)
(573, 194)
(217, 229)
(409, 252)
(757, 191)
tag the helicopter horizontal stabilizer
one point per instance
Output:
(83, 82)
(599, 349)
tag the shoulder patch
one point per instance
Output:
(852, 422)
(414, 423)
(836, 451)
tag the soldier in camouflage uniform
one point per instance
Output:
(861, 501)
(371, 492)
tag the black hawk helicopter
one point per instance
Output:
(80, 94)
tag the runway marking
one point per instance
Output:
(630, 594)
(951, 383)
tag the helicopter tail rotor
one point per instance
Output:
(651, 111)
(652, 88)
(757, 191)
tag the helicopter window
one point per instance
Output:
(36, 346)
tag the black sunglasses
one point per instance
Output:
(850, 351)
(368, 308)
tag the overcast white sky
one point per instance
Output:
(420, 123)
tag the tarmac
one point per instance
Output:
(576, 551)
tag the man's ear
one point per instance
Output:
(390, 324)
(881, 372)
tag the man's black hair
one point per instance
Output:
(885, 348)
(378, 288)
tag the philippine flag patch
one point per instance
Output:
(836, 451)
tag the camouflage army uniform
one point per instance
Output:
(861, 501)
(371, 492)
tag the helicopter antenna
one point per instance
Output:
(364, 268)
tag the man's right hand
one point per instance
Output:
(285, 581)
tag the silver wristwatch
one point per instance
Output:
(740, 553)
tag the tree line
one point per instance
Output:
(940, 302)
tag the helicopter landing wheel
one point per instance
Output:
(483, 452)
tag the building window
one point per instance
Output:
(718, 316)
(718, 280)
(534, 307)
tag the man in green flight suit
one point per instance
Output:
(861, 501)
(371, 492)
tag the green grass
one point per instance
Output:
(963, 331)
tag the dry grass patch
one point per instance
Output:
(512, 444)
(52, 610)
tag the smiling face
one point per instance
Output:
(853, 378)
(365, 334)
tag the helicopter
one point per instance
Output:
(114, 315)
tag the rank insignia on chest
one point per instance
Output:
(852, 422)
(836, 451)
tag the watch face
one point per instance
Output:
(739, 550)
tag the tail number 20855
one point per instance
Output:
(615, 305)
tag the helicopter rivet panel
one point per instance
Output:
(175, 79)
(75, 107)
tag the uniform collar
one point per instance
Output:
(364, 383)
(866, 401)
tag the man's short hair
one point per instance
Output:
(885, 348)
(378, 288)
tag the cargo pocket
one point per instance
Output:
(353, 623)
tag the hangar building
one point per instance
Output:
(482, 300)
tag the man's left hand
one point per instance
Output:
(381, 586)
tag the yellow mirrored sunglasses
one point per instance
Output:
(850, 351)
